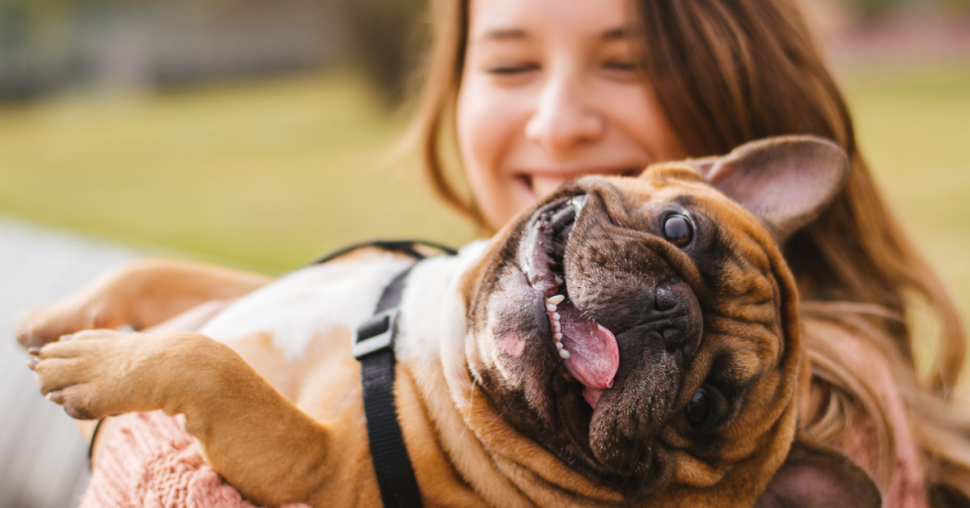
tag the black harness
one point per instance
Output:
(374, 348)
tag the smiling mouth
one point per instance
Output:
(588, 350)
(544, 183)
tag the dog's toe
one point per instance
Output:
(82, 403)
(56, 374)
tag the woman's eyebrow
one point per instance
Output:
(615, 34)
(501, 34)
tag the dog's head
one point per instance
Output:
(644, 330)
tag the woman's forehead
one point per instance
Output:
(504, 20)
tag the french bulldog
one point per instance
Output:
(626, 341)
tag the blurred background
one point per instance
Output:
(260, 134)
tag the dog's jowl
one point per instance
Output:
(627, 341)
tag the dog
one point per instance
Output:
(626, 341)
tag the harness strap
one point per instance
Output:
(374, 348)
(402, 246)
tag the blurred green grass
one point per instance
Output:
(269, 175)
(265, 176)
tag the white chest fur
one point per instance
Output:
(309, 301)
(344, 294)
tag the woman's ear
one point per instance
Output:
(818, 476)
(786, 180)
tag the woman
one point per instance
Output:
(541, 91)
(717, 74)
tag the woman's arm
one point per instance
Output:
(141, 295)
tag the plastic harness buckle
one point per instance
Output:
(376, 333)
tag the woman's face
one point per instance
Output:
(549, 93)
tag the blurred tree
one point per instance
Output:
(385, 40)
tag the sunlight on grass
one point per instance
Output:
(265, 175)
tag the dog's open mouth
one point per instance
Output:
(588, 350)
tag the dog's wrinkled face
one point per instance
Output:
(644, 331)
(655, 273)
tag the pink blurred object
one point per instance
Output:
(151, 463)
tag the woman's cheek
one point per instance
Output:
(487, 124)
(635, 110)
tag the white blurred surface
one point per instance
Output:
(43, 459)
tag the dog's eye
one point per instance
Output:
(678, 230)
(698, 408)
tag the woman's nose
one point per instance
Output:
(562, 120)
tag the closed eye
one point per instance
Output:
(620, 65)
(512, 69)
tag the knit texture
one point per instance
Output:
(151, 463)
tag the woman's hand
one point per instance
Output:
(139, 295)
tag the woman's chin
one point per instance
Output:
(542, 187)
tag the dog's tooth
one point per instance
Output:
(559, 345)
(557, 337)
(550, 307)
(559, 282)
(563, 354)
(556, 316)
(556, 327)
(556, 300)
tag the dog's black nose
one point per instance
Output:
(672, 319)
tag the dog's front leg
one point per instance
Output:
(250, 434)
(141, 294)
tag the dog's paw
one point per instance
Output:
(86, 373)
(47, 324)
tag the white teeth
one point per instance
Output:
(559, 280)
(554, 317)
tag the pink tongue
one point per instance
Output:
(593, 354)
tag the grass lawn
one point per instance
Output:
(269, 175)
(263, 175)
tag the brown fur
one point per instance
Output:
(477, 418)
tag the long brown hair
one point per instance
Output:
(728, 72)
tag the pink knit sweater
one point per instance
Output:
(150, 463)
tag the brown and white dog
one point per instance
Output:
(628, 341)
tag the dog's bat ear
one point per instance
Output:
(786, 180)
(817, 476)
